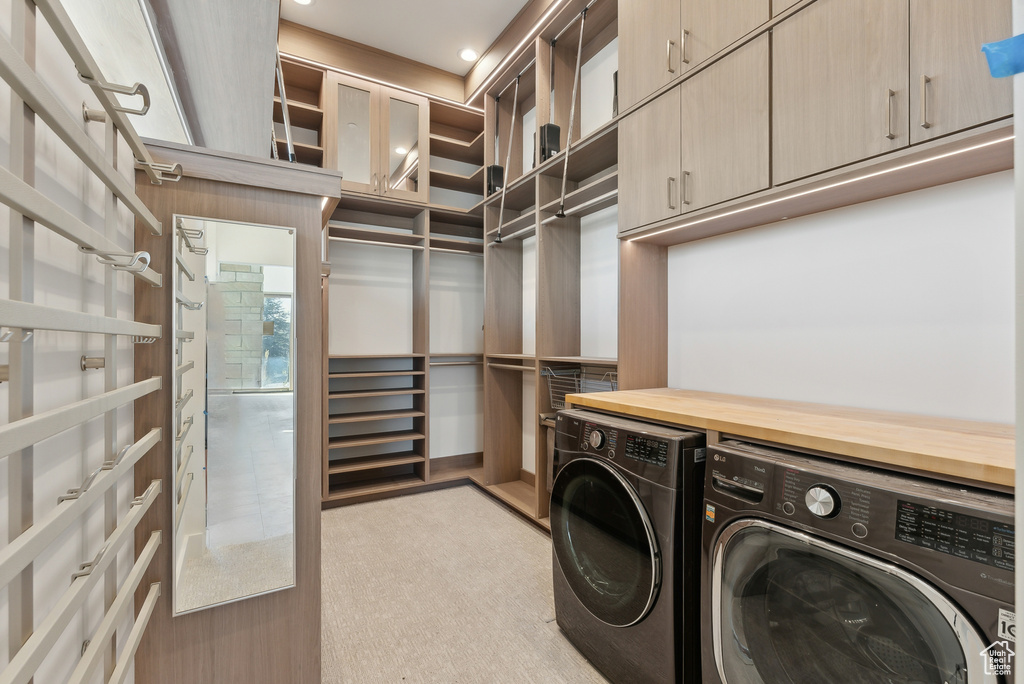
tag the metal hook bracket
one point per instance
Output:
(175, 171)
(75, 493)
(137, 89)
(8, 335)
(133, 262)
(140, 339)
(113, 463)
(85, 569)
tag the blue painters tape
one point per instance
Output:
(1005, 57)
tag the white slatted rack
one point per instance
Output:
(32, 636)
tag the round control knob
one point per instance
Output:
(788, 508)
(822, 501)
(596, 439)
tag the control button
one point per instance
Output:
(788, 508)
(596, 439)
(822, 501)
(859, 530)
(611, 453)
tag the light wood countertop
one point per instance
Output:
(958, 449)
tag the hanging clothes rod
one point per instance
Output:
(184, 268)
(376, 243)
(24, 81)
(89, 70)
(572, 22)
(27, 660)
(27, 431)
(27, 316)
(16, 556)
(92, 658)
(461, 252)
(179, 510)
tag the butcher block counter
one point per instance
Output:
(957, 450)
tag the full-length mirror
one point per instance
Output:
(234, 412)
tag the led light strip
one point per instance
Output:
(822, 188)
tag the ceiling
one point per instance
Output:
(427, 31)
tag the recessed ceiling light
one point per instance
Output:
(401, 150)
(303, 2)
(468, 54)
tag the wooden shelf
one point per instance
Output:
(517, 494)
(373, 462)
(360, 357)
(451, 148)
(589, 156)
(472, 184)
(381, 485)
(520, 226)
(300, 114)
(520, 195)
(368, 416)
(365, 394)
(312, 155)
(584, 360)
(456, 217)
(374, 438)
(338, 230)
(469, 245)
(374, 374)
(456, 117)
(592, 197)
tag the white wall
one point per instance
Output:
(530, 296)
(599, 284)
(596, 88)
(68, 279)
(370, 300)
(456, 410)
(456, 304)
(902, 304)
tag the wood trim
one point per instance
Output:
(252, 172)
(643, 315)
(216, 645)
(309, 43)
(528, 477)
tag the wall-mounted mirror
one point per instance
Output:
(234, 412)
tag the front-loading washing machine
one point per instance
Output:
(625, 533)
(815, 570)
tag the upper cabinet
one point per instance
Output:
(661, 39)
(710, 25)
(649, 43)
(724, 147)
(649, 162)
(839, 85)
(950, 87)
(382, 138)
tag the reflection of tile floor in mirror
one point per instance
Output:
(250, 467)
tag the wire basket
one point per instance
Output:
(562, 381)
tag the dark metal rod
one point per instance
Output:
(569, 25)
(572, 113)
(508, 160)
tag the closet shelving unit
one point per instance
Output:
(304, 91)
(533, 275)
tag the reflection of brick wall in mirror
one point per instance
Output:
(236, 301)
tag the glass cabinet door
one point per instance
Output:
(357, 134)
(405, 146)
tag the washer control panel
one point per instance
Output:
(646, 449)
(964, 536)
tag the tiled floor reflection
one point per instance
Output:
(250, 467)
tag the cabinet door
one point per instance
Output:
(839, 85)
(649, 162)
(648, 47)
(725, 128)
(405, 146)
(357, 144)
(710, 25)
(951, 88)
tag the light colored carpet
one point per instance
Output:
(231, 572)
(446, 586)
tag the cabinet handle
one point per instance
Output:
(682, 48)
(924, 101)
(686, 174)
(374, 181)
(671, 182)
(888, 114)
(668, 54)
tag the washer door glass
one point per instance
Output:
(604, 542)
(797, 609)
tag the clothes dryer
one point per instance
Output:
(817, 570)
(625, 533)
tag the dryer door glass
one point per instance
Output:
(794, 609)
(604, 542)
